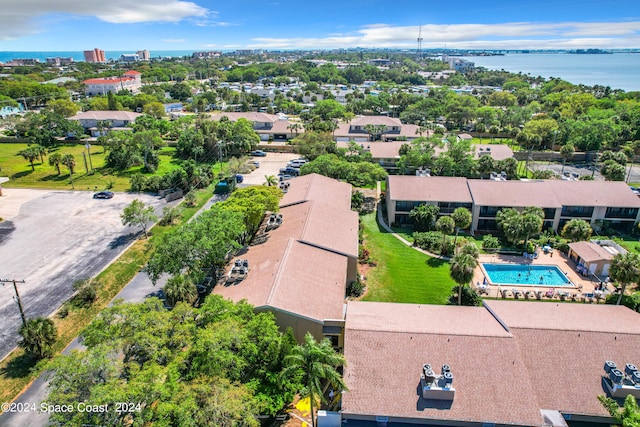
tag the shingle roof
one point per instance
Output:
(590, 252)
(551, 357)
(595, 193)
(540, 193)
(566, 317)
(251, 116)
(106, 115)
(384, 364)
(564, 347)
(375, 120)
(436, 188)
(497, 151)
(302, 267)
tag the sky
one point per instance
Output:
(131, 25)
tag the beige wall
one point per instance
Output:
(301, 325)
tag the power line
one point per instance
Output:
(17, 297)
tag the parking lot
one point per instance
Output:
(50, 239)
(269, 165)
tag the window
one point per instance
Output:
(577, 211)
(628, 213)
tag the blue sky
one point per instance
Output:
(130, 25)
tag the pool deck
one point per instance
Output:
(583, 289)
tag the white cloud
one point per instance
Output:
(18, 17)
(513, 35)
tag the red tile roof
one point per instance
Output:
(108, 80)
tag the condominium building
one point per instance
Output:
(611, 202)
(95, 55)
(131, 80)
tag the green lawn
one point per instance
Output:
(44, 176)
(402, 274)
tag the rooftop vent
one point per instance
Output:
(620, 384)
(239, 270)
(423, 172)
(436, 387)
(274, 221)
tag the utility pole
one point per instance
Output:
(17, 297)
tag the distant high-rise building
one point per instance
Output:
(95, 55)
(129, 57)
(144, 55)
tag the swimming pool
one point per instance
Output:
(525, 275)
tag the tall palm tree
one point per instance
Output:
(462, 219)
(180, 289)
(316, 364)
(38, 337)
(30, 154)
(462, 266)
(625, 269)
(70, 162)
(445, 225)
(55, 160)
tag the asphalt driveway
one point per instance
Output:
(50, 239)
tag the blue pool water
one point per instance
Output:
(525, 275)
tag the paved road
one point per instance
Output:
(51, 239)
(135, 291)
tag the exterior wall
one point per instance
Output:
(301, 325)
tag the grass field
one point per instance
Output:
(402, 274)
(18, 370)
(44, 176)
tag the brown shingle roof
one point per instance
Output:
(384, 364)
(595, 193)
(375, 120)
(552, 358)
(106, 115)
(566, 317)
(540, 193)
(303, 265)
(590, 252)
(435, 188)
(497, 151)
(250, 115)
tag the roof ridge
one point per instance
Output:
(276, 279)
(456, 334)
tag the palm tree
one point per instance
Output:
(55, 160)
(625, 269)
(445, 225)
(295, 127)
(38, 337)
(70, 162)
(30, 154)
(316, 365)
(462, 266)
(180, 289)
(271, 180)
(567, 153)
(462, 219)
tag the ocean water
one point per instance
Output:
(79, 55)
(616, 70)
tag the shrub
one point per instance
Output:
(190, 199)
(489, 242)
(448, 247)
(429, 241)
(563, 247)
(63, 312)
(170, 215)
(356, 289)
(86, 293)
(363, 255)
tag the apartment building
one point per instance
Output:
(611, 202)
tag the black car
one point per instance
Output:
(258, 153)
(103, 195)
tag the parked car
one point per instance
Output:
(290, 171)
(239, 178)
(296, 163)
(103, 195)
(284, 177)
(254, 163)
(258, 153)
